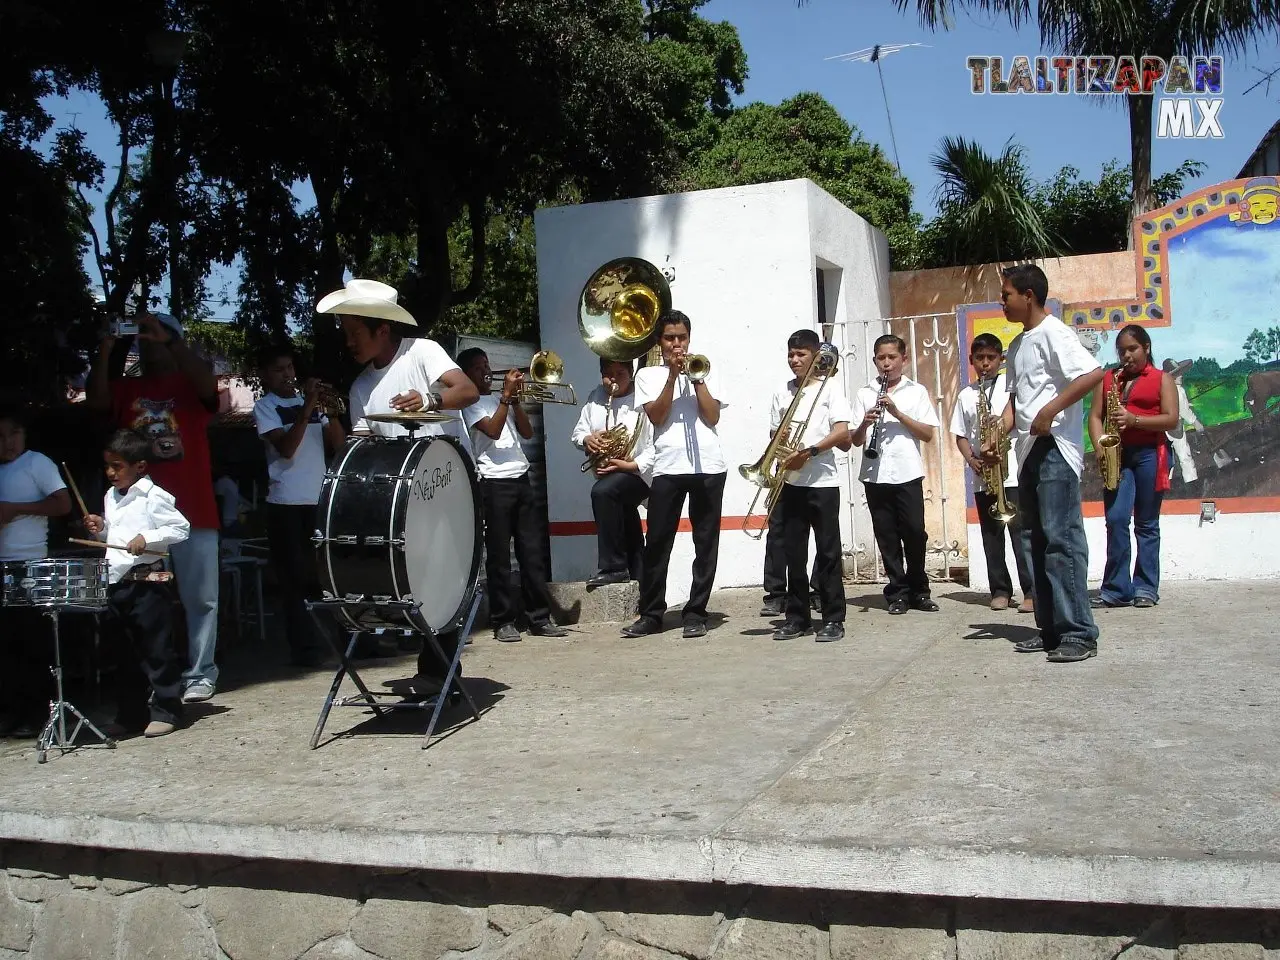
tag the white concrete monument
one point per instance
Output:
(749, 265)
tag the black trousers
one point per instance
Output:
(26, 655)
(775, 562)
(615, 498)
(993, 534)
(817, 509)
(293, 559)
(897, 517)
(666, 500)
(509, 511)
(142, 613)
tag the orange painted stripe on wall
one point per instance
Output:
(1181, 508)
(587, 528)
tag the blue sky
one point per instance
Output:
(1206, 298)
(928, 91)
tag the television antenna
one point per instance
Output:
(874, 54)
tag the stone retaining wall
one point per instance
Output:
(63, 903)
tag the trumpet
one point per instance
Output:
(768, 473)
(696, 367)
(543, 382)
(1109, 442)
(331, 399)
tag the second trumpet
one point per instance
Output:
(543, 382)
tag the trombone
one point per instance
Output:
(543, 382)
(768, 473)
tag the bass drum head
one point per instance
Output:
(442, 534)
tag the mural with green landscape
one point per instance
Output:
(1219, 264)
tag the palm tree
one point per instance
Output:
(986, 210)
(1161, 28)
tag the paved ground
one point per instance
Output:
(920, 755)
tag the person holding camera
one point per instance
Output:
(171, 403)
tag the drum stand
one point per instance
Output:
(368, 698)
(55, 733)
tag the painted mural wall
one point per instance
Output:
(1208, 282)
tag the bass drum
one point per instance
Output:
(399, 519)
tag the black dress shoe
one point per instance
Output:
(548, 629)
(829, 631)
(927, 604)
(771, 608)
(898, 607)
(694, 629)
(603, 579)
(643, 627)
(507, 633)
(791, 631)
(1033, 645)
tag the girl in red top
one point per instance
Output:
(1150, 408)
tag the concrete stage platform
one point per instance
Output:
(920, 756)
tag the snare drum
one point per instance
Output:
(55, 582)
(399, 519)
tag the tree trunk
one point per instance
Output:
(1140, 108)
(327, 343)
(433, 284)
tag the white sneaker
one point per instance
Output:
(198, 692)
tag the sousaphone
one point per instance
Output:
(619, 308)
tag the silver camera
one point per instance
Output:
(124, 328)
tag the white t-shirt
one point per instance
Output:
(599, 413)
(684, 444)
(899, 460)
(29, 478)
(501, 459)
(228, 492)
(964, 422)
(294, 480)
(1041, 363)
(418, 365)
(832, 408)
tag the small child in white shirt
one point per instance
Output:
(139, 522)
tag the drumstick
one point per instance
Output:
(114, 546)
(76, 490)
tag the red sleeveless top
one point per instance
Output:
(1140, 395)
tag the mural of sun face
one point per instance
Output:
(1260, 203)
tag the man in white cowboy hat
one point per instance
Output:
(402, 373)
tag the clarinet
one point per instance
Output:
(872, 449)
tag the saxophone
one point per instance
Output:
(618, 442)
(991, 431)
(1109, 442)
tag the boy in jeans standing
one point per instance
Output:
(1049, 373)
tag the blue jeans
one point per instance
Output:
(1134, 496)
(195, 564)
(1053, 531)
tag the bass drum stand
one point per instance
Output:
(367, 698)
(55, 735)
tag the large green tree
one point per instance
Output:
(805, 136)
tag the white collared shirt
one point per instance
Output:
(964, 422)
(1041, 363)
(600, 413)
(832, 408)
(684, 444)
(501, 459)
(144, 509)
(417, 365)
(900, 460)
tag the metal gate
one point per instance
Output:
(931, 361)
